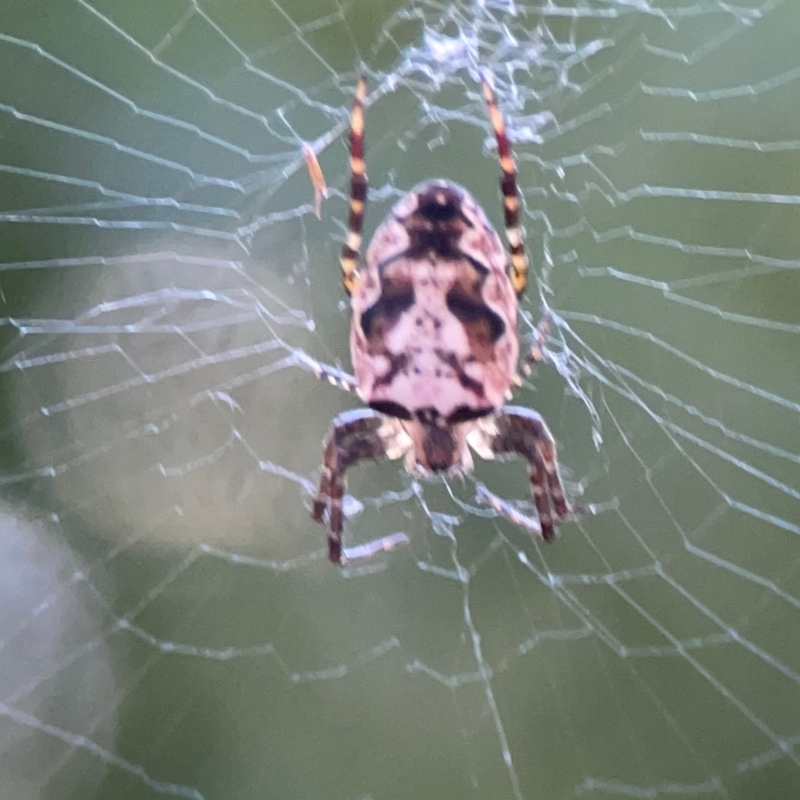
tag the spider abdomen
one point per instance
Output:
(435, 315)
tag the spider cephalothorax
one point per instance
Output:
(434, 338)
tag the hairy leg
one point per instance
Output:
(524, 432)
(358, 192)
(354, 436)
(518, 270)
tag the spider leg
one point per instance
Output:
(523, 431)
(329, 374)
(535, 354)
(358, 192)
(354, 436)
(518, 269)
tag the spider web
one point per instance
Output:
(170, 624)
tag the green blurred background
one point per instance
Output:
(169, 624)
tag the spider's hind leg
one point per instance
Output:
(524, 432)
(354, 436)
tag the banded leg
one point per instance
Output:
(332, 375)
(518, 270)
(354, 436)
(358, 192)
(523, 431)
(535, 354)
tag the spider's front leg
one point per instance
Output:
(524, 432)
(354, 436)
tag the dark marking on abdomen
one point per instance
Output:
(436, 225)
(390, 408)
(396, 298)
(475, 314)
(482, 325)
(467, 414)
(398, 362)
(468, 383)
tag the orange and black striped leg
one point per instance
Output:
(518, 271)
(354, 436)
(522, 431)
(358, 192)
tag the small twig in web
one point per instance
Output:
(317, 178)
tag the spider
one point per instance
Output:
(434, 339)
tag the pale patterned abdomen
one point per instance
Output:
(434, 320)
